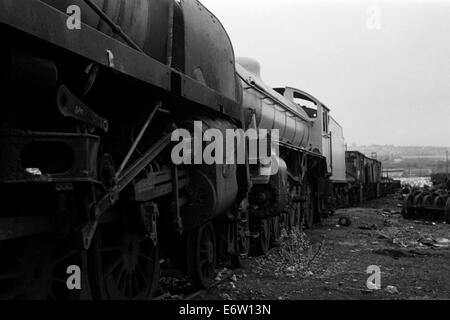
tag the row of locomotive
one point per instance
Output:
(365, 179)
(87, 178)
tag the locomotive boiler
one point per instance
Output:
(271, 110)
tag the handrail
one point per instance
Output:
(261, 90)
(115, 28)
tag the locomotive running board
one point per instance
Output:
(40, 20)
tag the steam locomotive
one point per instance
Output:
(86, 175)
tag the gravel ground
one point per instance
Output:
(330, 261)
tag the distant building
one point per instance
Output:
(417, 172)
(393, 173)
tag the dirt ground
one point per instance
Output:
(330, 261)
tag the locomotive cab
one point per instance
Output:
(327, 139)
(320, 140)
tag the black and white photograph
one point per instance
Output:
(224, 158)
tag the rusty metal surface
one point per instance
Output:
(361, 168)
(199, 93)
(145, 22)
(213, 189)
(71, 106)
(49, 24)
(219, 91)
(111, 197)
(273, 111)
(209, 52)
(158, 184)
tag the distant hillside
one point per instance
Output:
(431, 159)
(390, 151)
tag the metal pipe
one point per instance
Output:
(116, 29)
(170, 34)
(138, 139)
(176, 198)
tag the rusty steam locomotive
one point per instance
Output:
(86, 177)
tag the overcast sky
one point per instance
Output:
(387, 80)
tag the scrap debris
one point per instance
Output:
(317, 264)
(392, 290)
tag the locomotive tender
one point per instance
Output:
(86, 176)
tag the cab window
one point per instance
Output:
(326, 119)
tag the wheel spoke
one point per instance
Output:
(142, 274)
(201, 255)
(52, 295)
(146, 257)
(205, 269)
(65, 256)
(59, 281)
(128, 285)
(121, 279)
(124, 255)
(113, 266)
(203, 262)
(136, 283)
(142, 238)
